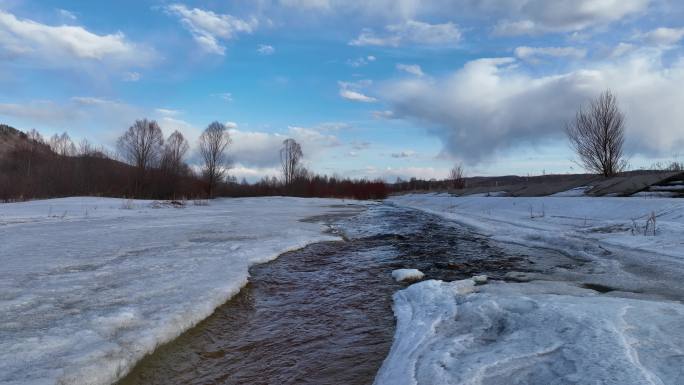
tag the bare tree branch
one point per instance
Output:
(213, 143)
(290, 158)
(598, 134)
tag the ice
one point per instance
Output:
(551, 330)
(407, 275)
(515, 334)
(88, 286)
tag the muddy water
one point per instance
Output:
(322, 314)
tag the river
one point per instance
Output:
(323, 314)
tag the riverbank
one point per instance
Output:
(613, 315)
(91, 285)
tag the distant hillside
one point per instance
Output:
(11, 138)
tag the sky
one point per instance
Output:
(373, 89)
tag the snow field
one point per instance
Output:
(91, 285)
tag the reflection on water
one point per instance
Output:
(322, 314)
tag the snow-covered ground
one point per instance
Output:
(551, 330)
(608, 235)
(88, 286)
(538, 333)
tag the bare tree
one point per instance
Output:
(174, 151)
(598, 134)
(62, 144)
(457, 176)
(290, 158)
(141, 145)
(213, 143)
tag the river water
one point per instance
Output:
(323, 314)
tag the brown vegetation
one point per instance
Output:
(33, 168)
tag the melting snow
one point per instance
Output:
(88, 286)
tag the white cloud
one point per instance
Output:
(663, 36)
(490, 106)
(66, 14)
(131, 76)
(231, 125)
(532, 54)
(265, 49)
(351, 91)
(360, 145)
(411, 32)
(390, 174)
(66, 44)
(78, 115)
(356, 96)
(622, 49)
(167, 112)
(307, 4)
(208, 27)
(227, 96)
(413, 69)
(251, 173)
(262, 149)
(385, 114)
(361, 61)
(542, 16)
(403, 154)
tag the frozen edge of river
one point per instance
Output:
(538, 333)
(91, 286)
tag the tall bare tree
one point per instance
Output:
(290, 158)
(141, 145)
(175, 148)
(213, 143)
(457, 176)
(598, 134)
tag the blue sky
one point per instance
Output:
(370, 88)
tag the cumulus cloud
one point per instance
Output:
(209, 28)
(351, 91)
(265, 49)
(66, 44)
(262, 149)
(663, 36)
(532, 54)
(411, 32)
(413, 69)
(490, 105)
(542, 16)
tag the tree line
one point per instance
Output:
(147, 165)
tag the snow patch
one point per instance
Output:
(502, 334)
(407, 275)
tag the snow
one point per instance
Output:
(573, 192)
(607, 232)
(407, 275)
(91, 285)
(508, 334)
(550, 330)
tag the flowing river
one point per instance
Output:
(323, 314)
